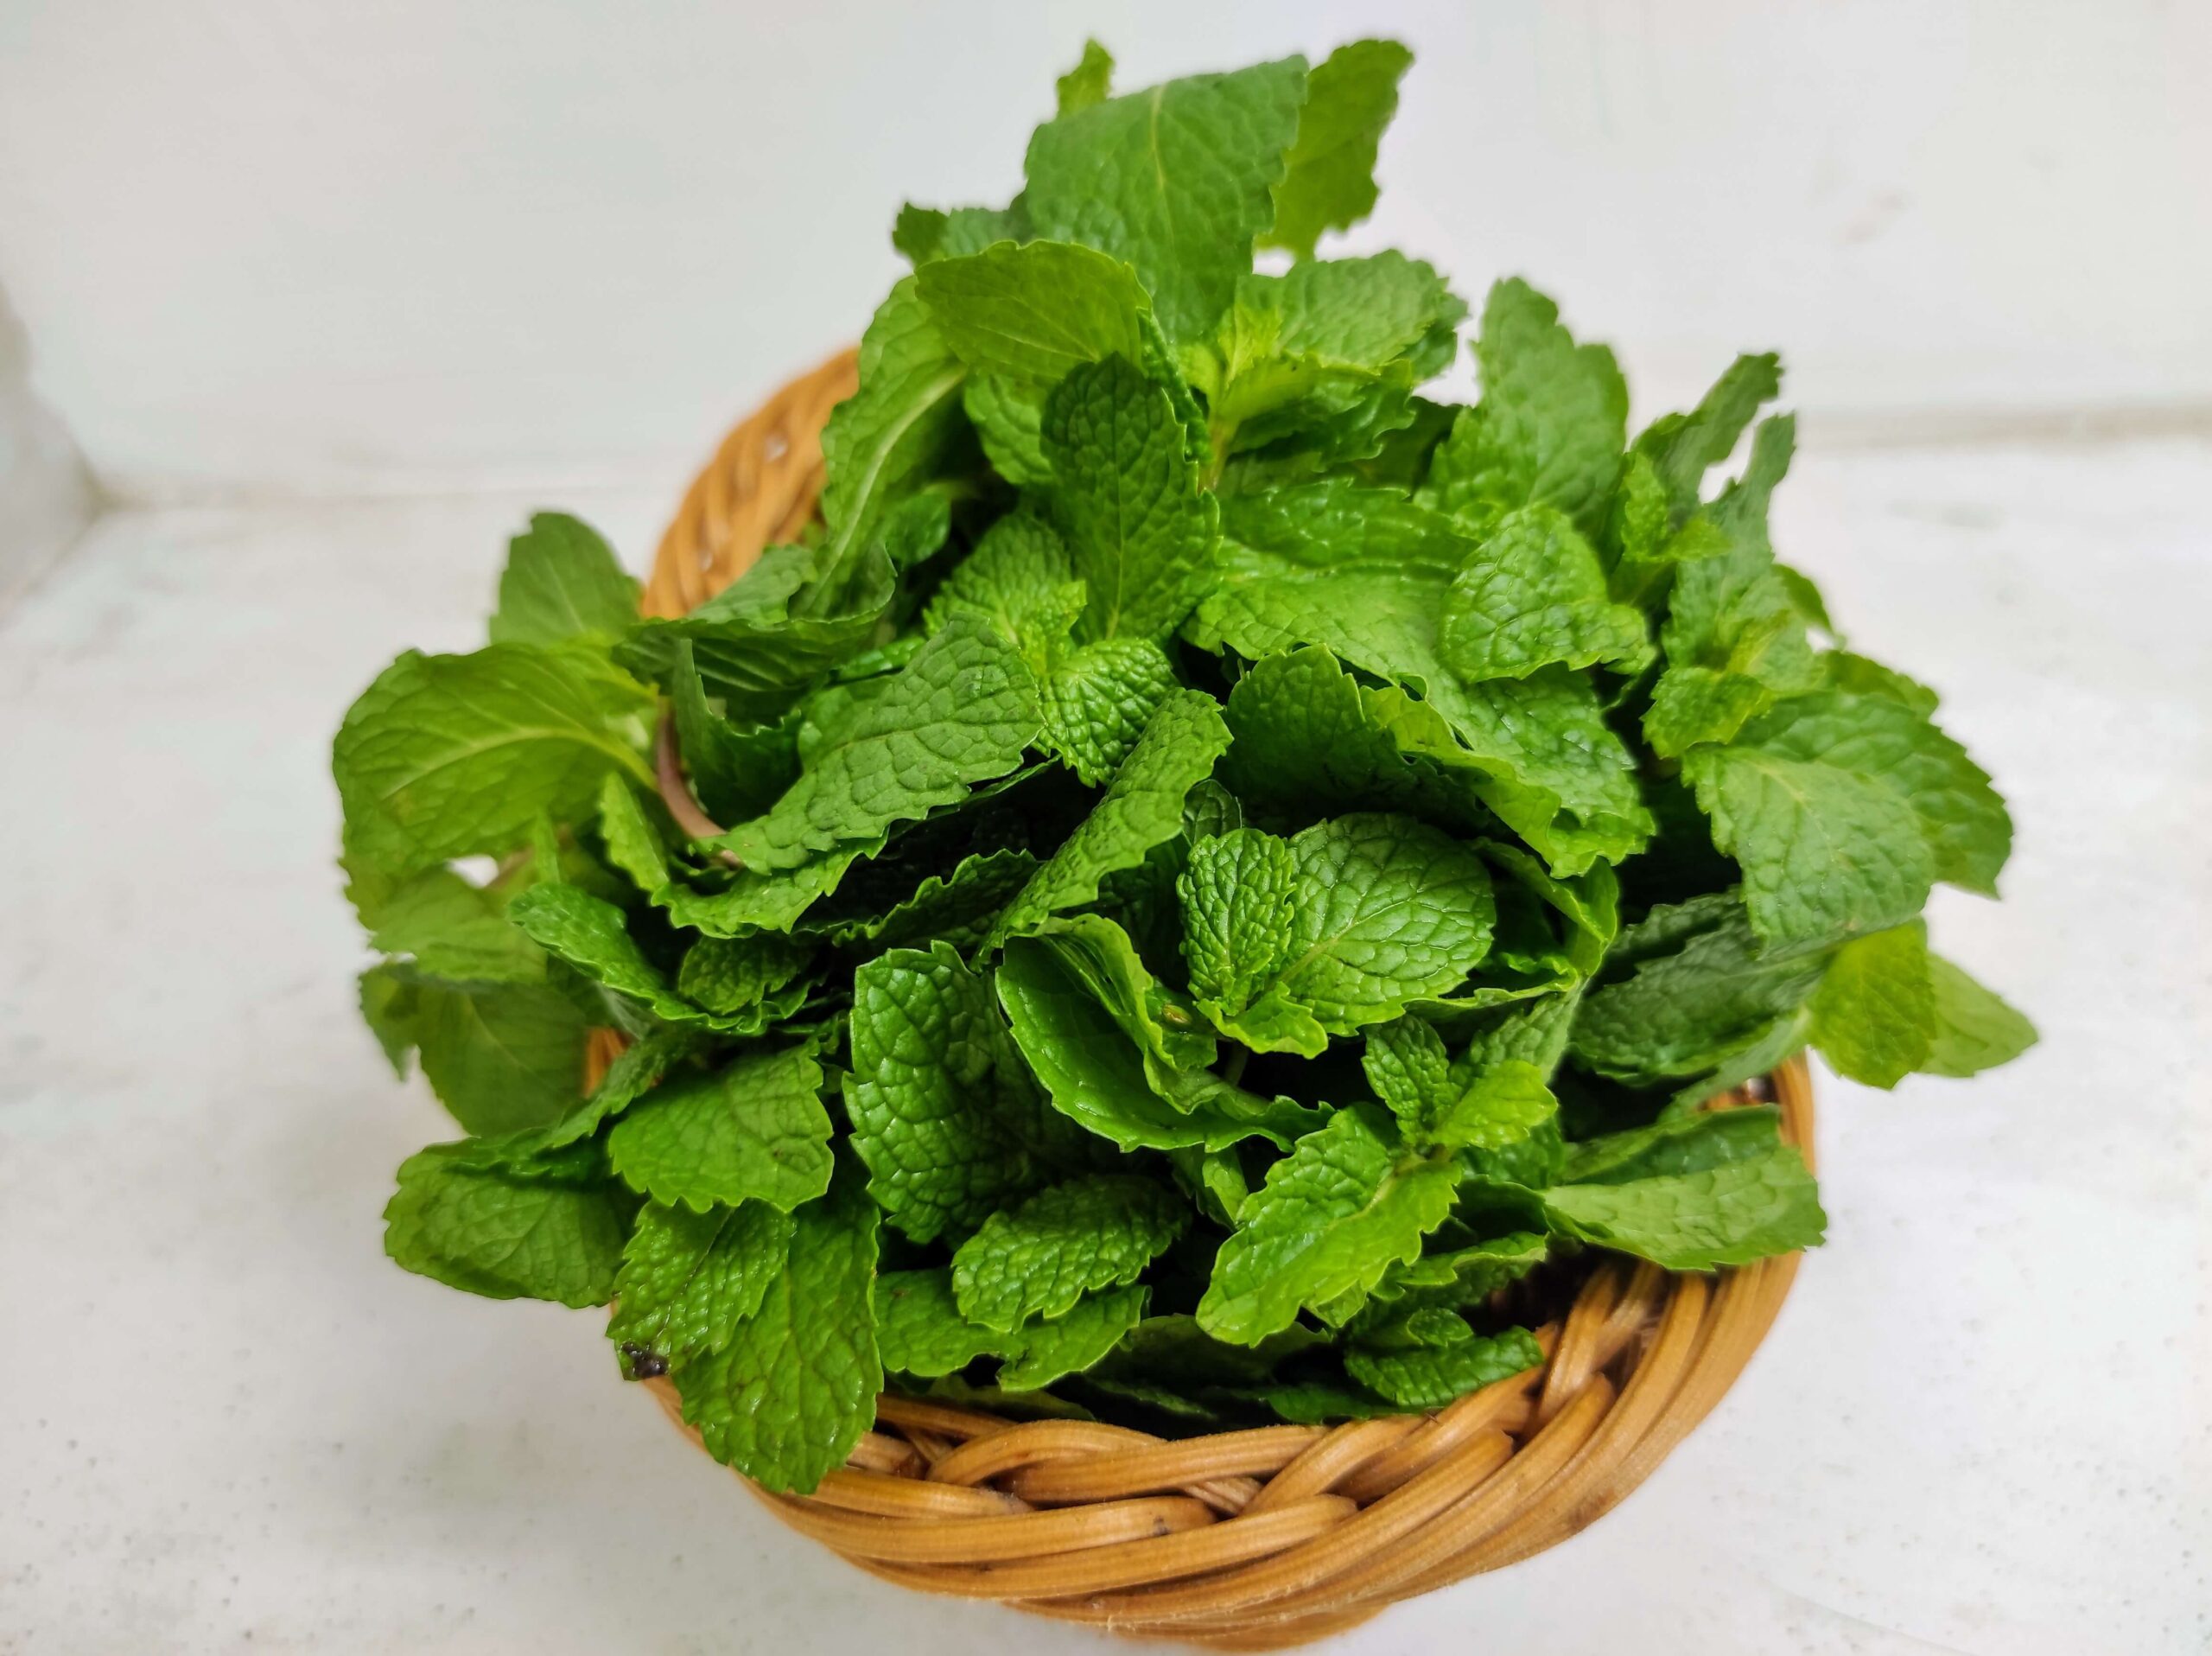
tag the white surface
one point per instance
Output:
(227, 1423)
(264, 245)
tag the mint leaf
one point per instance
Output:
(1097, 1076)
(754, 1131)
(1038, 1259)
(1070, 1343)
(1097, 701)
(942, 1112)
(961, 712)
(1968, 831)
(1488, 1103)
(1725, 1215)
(562, 583)
(1551, 425)
(1237, 890)
(785, 1400)
(1178, 181)
(1824, 851)
(1343, 1206)
(958, 907)
(888, 438)
(1388, 910)
(1681, 1013)
(1874, 1013)
(1531, 595)
(1682, 448)
(1537, 750)
(736, 975)
(1021, 581)
(922, 1332)
(1308, 740)
(1089, 82)
(1099, 954)
(753, 646)
(688, 1280)
(485, 1232)
(1338, 930)
(455, 755)
(592, 935)
(1033, 312)
(499, 1056)
(1329, 174)
(634, 843)
(1128, 500)
(1976, 1030)
(1428, 1376)
(919, 1330)
(453, 930)
(924, 233)
(1323, 352)
(1142, 808)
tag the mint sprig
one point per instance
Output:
(1205, 869)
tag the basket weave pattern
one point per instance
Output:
(1241, 1540)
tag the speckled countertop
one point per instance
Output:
(1984, 1423)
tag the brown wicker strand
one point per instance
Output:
(1255, 1539)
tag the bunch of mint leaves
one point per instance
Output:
(1229, 863)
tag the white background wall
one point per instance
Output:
(262, 245)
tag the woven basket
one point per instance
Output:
(1241, 1540)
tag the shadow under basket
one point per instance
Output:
(1239, 1540)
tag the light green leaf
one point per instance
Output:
(755, 1130)
(1428, 1376)
(1682, 448)
(1097, 1076)
(453, 930)
(1089, 82)
(1036, 1260)
(961, 712)
(1030, 313)
(688, 1280)
(633, 844)
(1343, 1206)
(485, 1232)
(1128, 500)
(499, 1056)
(1974, 1029)
(919, 1330)
(1725, 1215)
(1070, 1343)
(1680, 1014)
(1550, 427)
(1827, 851)
(1967, 830)
(1020, 579)
(1097, 701)
(1874, 1013)
(1329, 179)
(1388, 910)
(886, 439)
(791, 1394)
(1177, 180)
(752, 645)
(942, 1112)
(562, 583)
(1533, 594)
(1142, 808)
(1537, 750)
(455, 755)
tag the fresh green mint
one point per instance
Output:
(1205, 868)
